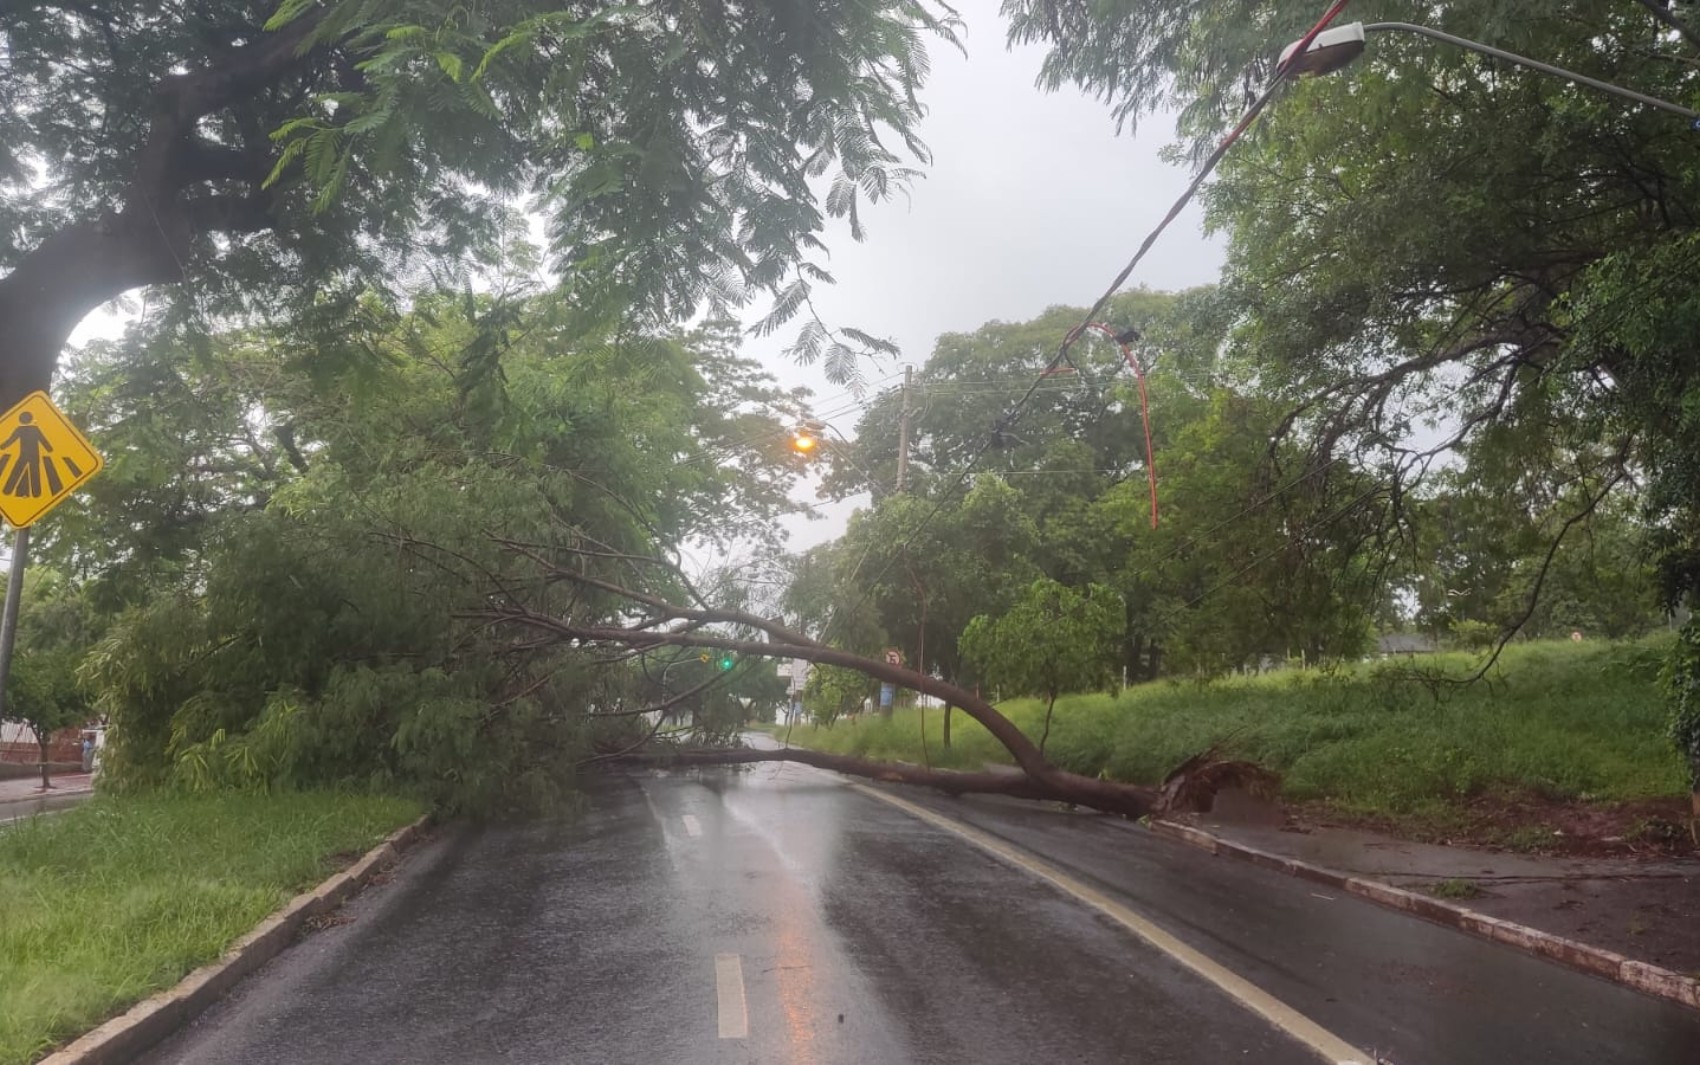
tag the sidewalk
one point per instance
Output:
(23, 797)
(30, 787)
(1645, 910)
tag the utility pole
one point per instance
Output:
(9, 621)
(903, 432)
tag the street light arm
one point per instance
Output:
(1533, 64)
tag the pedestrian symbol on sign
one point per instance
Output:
(43, 458)
(34, 470)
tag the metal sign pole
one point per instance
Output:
(9, 621)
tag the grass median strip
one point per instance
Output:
(1391, 739)
(121, 897)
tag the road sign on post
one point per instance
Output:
(43, 459)
(888, 691)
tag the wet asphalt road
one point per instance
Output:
(849, 931)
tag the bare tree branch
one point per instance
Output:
(669, 610)
(1661, 11)
(625, 751)
(1534, 599)
(666, 705)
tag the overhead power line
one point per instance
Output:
(768, 436)
(1008, 420)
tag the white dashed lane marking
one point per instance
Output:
(729, 988)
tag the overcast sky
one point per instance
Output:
(1032, 200)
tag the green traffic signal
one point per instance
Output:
(727, 662)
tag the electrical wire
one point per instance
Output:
(1002, 426)
(767, 436)
(1282, 71)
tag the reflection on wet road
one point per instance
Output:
(779, 915)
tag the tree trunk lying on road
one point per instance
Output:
(1037, 778)
(1057, 786)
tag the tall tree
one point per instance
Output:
(1259, 554)
(277, 157)
(1052, 640)
(971, 379)
(1433, 237)
(924, 572)
(305, 621)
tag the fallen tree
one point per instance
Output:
(668, 624)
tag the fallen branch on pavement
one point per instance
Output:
(1014, 783)
(1037, 777)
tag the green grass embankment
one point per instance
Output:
(1561, 720)
(120, 897)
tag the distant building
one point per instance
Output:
(1404, 643)
(18, 744)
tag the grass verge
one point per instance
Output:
(121, 897)
(1456, 889)
(1558, 720)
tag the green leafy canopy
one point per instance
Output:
(270, 156)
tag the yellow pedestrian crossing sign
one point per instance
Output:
(43, 459)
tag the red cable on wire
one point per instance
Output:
(1004, 423)
(1144, 409)
(1204, 171)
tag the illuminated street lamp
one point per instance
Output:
(1337, 48)
(806, 440)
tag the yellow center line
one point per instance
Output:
(1325, 1044)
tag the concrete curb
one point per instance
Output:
(151, 1020)
(1643, 977)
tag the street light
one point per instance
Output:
(1337, 48)
(806, 438)
(1331, 50)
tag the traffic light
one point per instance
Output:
(727, 661)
